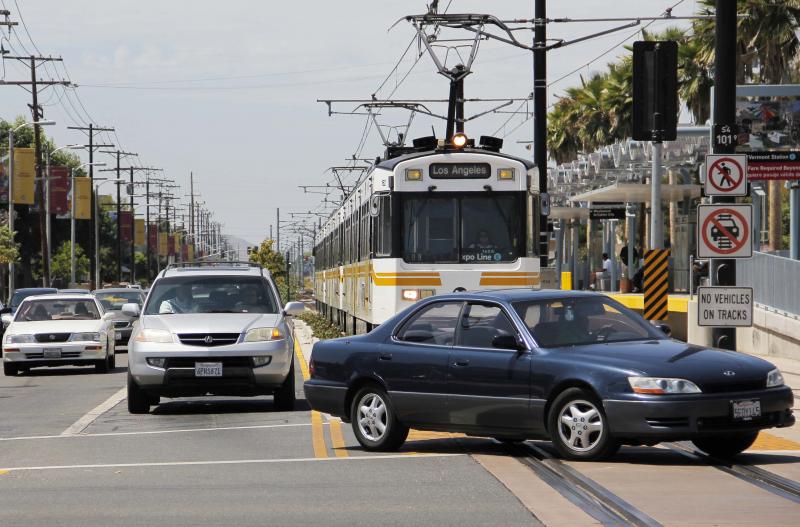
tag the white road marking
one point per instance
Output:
(80, 425)
(152, 432)
(227, 462)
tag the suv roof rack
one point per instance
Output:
(227, 265)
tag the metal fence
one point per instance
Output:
(775, 281)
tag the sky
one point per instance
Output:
(228, 91)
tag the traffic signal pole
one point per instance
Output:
(540, 117)
(723, 271)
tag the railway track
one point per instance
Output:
(769, 481)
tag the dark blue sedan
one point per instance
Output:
(577, 368)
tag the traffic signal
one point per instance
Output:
(655, 90)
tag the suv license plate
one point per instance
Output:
(51, 353)
(746, 410)
(208, 369)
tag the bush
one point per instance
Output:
(320, 325)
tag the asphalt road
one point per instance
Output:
(70, 454)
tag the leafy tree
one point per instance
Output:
(273, 261)
(60, 266)
(9, 249)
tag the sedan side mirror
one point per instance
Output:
(508, 342)
(294, 308)
(665, 329)
(131, 310)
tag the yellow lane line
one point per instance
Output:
(767, 441)
(3, 472)
(317, 430)
(337, 439)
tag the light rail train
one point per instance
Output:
(429, 219)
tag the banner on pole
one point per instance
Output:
(125, 226)
(24, 176)
(59, 190)
(163, 250)
(83, 198)
(138, 232)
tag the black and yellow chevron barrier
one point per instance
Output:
(656, 284)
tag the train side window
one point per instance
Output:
(383, 227)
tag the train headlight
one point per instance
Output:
(412, 295)
(505, 174)
(459, 140)
(413, 174)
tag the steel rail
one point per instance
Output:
(591, 497)
(769, 481)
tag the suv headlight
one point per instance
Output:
(774, 378)
(84, 337)
(660, 385)
(263, 334)
(20, 339)
(159, 336)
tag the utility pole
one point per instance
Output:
(191, 204)
(723, 271)
(540, 118)
(119, 154)
(37, 113)
(278, 230)
(92, 130)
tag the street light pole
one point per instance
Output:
(11, 266)
(72, 219)
(97, 219)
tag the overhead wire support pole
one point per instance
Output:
(540, 122)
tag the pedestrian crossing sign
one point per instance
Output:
(726, 175)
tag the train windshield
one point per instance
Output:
(462, 229)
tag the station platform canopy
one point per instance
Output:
(636, 193)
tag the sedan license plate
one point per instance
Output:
(51, 353)
(208, 369)
(746, 409)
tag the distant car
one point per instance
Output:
(577, 368)
(214, 329)
(58, 330)
(112, 300)
(74, 292)
(17, 298)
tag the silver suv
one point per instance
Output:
(211, 329)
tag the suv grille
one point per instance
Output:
(208, 340)
(52, 337)
(227, 362)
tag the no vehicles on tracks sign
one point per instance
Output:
(726, 175)
(725, 231)
(725, 307)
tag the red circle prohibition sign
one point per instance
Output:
(725, 230)
(735, 182)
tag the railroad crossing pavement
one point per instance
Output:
(71, 454)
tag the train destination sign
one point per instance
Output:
(460, 170)
(725, 307)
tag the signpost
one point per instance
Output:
(607, 211)
(726, 175)
(725, 231)
(725, 307)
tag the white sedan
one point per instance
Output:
(59, 330)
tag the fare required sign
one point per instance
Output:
(725, 307)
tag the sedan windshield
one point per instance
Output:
(113, 301)
(41, 310)
(217, 294)
(582, 320)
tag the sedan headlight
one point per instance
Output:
(263, 334)
(85, 337)
(774, 378)
(159, 336)
(660, 386)
(20, 339)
